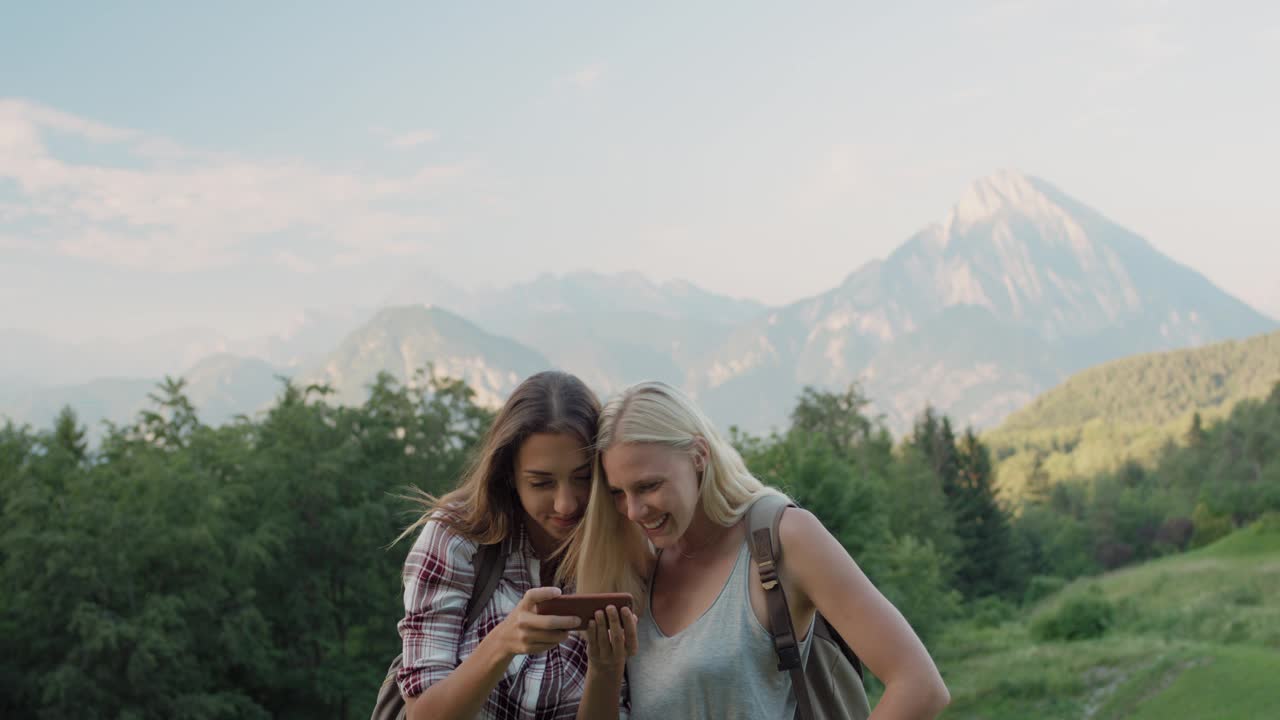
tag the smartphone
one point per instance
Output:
(584, 606)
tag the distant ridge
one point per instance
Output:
(1018, 286)
(1128, 409)
(1154, 388)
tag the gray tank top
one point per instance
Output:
(721, 666)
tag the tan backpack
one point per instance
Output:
(829, 684)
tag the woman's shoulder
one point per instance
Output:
(799, 529)
(441, 538)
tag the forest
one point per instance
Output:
(176, 569)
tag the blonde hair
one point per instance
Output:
(610, 553)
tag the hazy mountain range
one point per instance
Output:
(1019, 286)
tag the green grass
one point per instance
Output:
(1195, 636)
(1260, 538)
(1207, 682)
(1222, 683)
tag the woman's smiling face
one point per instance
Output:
(654, 486)
(553, 482)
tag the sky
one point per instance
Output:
(225, 165)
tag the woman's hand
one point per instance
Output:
(611, 639)
(525, 632)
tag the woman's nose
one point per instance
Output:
(566, 502)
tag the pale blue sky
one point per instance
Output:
(226, 164)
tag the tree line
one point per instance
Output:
(243, 571)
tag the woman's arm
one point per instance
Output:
(462, 693)
(824, 575)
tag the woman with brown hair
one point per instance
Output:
(526, 492)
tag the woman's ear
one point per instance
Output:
(701, 453)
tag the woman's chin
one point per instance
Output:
(661, 541)
(559, 531)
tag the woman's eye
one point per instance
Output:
(583, 479)
(540, 485)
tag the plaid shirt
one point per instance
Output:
(439, 575)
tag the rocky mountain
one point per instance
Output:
(611, 329)
(403, 340)
(1059, 286)
(1017, 287)
(222, 386)
(311, 335)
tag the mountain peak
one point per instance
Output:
(1002, 191)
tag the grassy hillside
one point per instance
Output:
(1130, 408)
(1192, 636)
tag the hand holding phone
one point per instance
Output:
(525, 631)
(584, 606)
(611, 639)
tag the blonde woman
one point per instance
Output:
(665, 522)
(526, 492)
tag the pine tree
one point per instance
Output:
(1038, 489)
(69, 435)
(981, 523)
(1196, 434)
(936, 441)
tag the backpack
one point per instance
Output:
(489, 567)
(829, 684)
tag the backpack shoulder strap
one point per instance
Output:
(489, 567)
(763, 518)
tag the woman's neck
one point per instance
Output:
(543, 545)
(702, 534)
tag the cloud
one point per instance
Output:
(587, 77)
(412, 139)
(46, 117)
(168, 207)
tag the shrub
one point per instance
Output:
(1112, 555)
(1175, 533)
(1208, 526)
(989, 612)
(1041, 587)
(1080, 617)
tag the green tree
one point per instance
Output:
(1195, 433)
(838, 418)
(936, 441)
(233, 572)
(69, 435)
(985, 561)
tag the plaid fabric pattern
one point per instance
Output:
(439, 575)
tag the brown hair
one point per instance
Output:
(484, 507)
